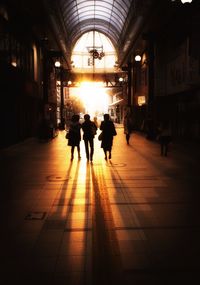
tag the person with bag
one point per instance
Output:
(108, 132)
(74, 135)
(89, 131)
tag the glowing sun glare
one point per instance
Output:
(94, 97)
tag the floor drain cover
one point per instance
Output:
(35, 216)
(55, 178)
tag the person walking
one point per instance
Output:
(89, 131)
(127, 126)
(74, 135)
(108, 131)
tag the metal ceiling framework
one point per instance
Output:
(107, 16)
(120, 20)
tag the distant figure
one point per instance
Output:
(74, 135)
(96, 122)
(108, 131)
(127, 126)
(164, 138)
(89, 131)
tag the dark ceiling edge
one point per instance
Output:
(134, 29)
(57, 25)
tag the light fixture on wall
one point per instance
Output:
(57, 63)
(186, 1)
(14, 63)
(138, 57)
(183, 1)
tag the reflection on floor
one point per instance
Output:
(130, 220)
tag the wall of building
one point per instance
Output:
(27, 81)
(170, 79)
(177, 74)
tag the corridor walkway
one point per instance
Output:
(131, 220)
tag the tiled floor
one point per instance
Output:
(131, 220)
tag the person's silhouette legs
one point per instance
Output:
(78, 149)
(91, 142)
(72, 152)
(105, 153)
(127, 138)
(86, 149)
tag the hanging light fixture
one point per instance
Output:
(96, 52)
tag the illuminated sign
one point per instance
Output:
(141, 100)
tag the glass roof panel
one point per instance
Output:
(111, 35)
(68, 6)
(120, 7)
(100, 26)
(120, 12)
(85, 4)
(107, 15)
(105, 3)
(74, 22)
(72, 11)
(105, 9)
(111, 15)
(83, 17)
(70, 19)
(99, 17)
(91, 2)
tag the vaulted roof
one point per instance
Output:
(120, 20)
(107, 16)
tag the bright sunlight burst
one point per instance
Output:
(93, 96)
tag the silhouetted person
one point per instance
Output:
(89, 130)
(164, 138)
(108, 129)
(127, 125)
(74, 135)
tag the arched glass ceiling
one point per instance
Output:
(107, 16)
(82, 54)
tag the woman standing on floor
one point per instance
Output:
(108, 131)
(74, 135)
